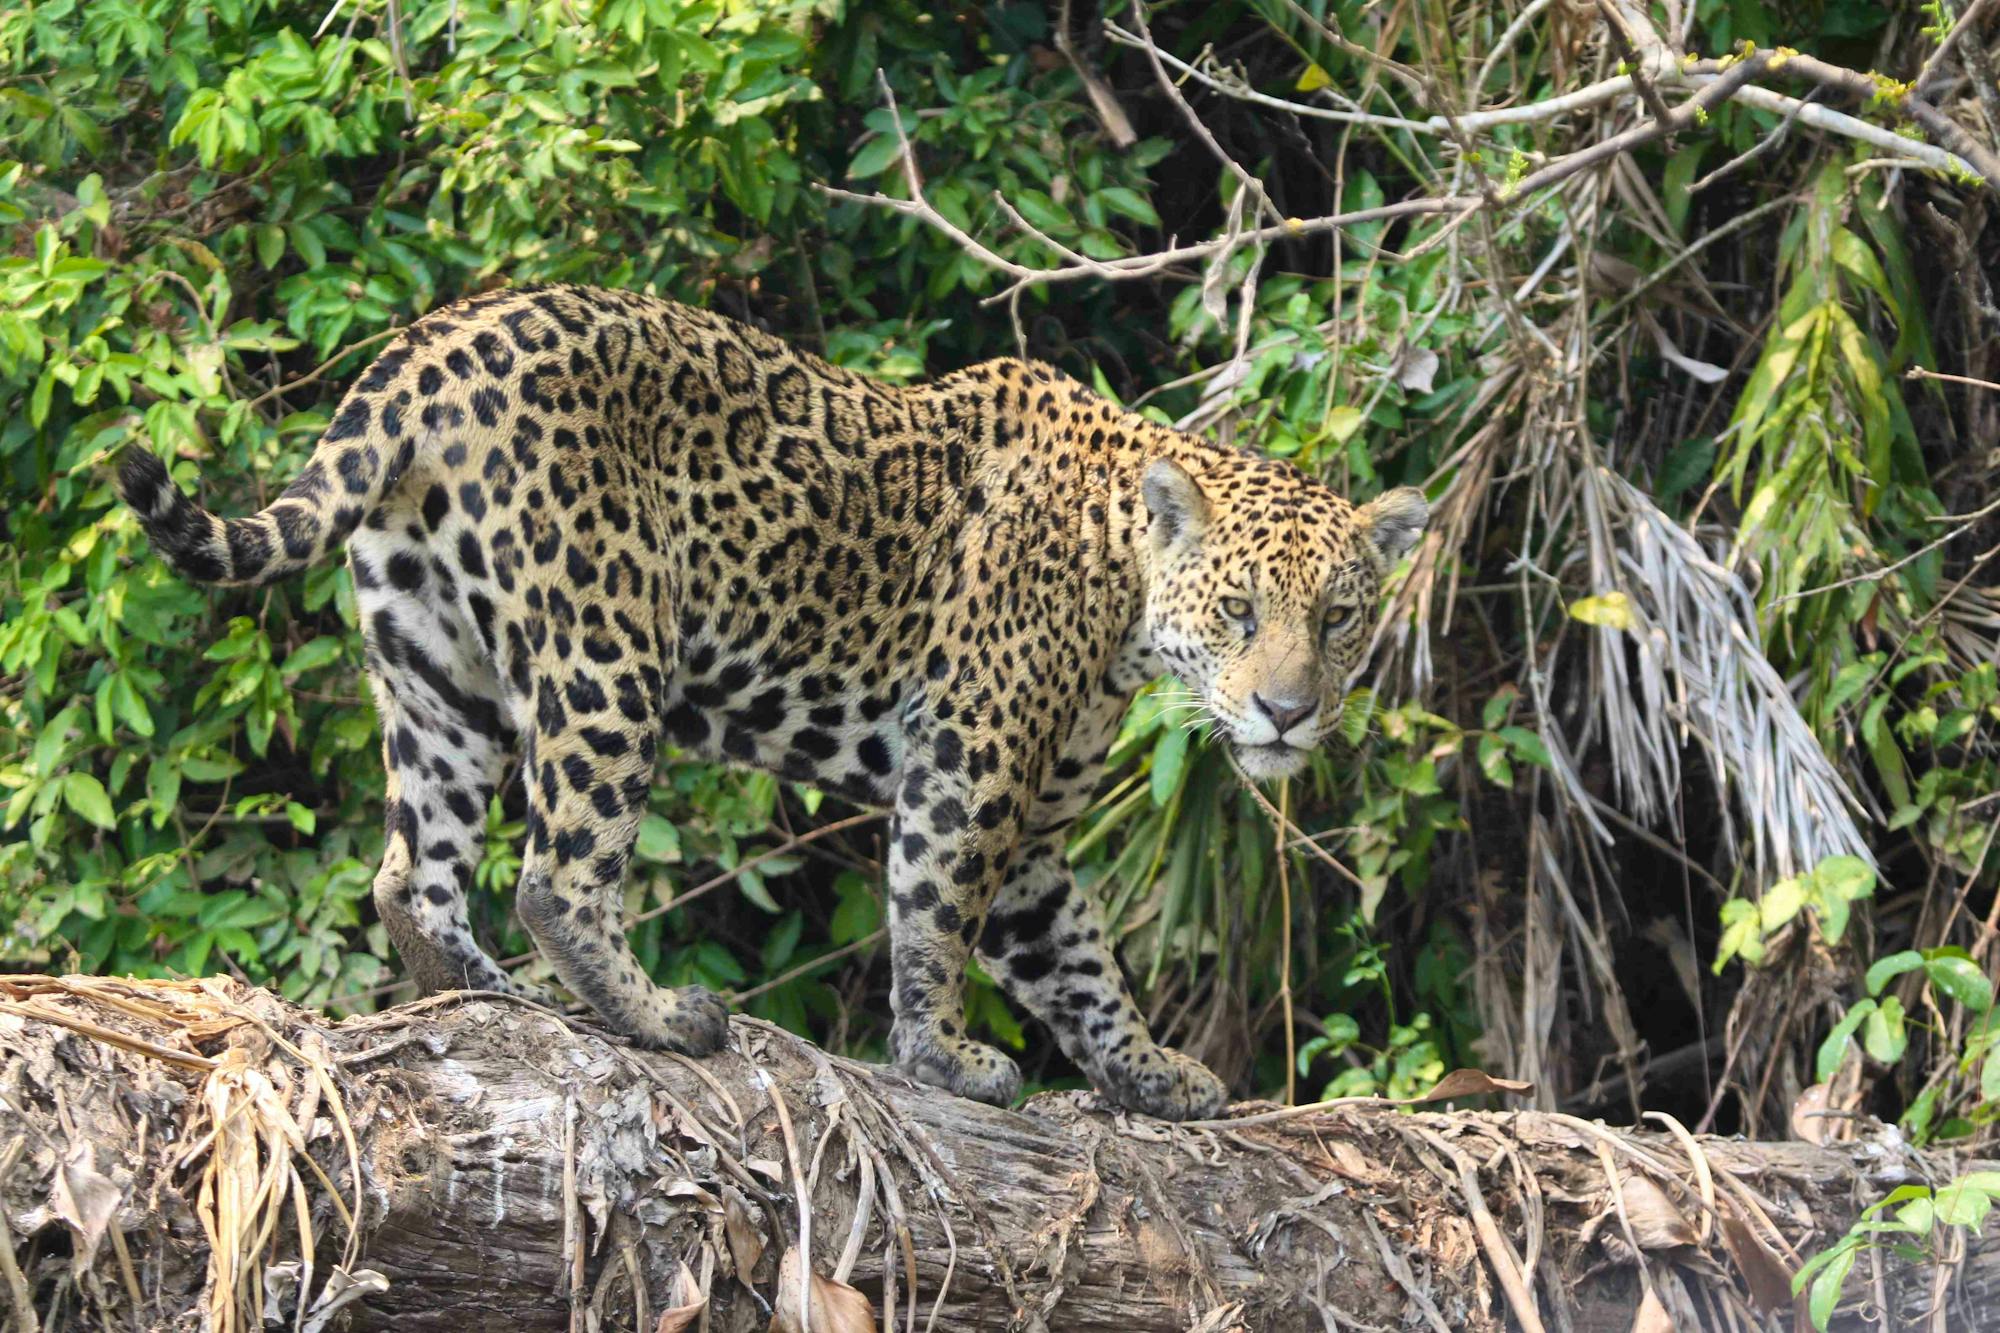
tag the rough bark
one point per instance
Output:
(519, 1170)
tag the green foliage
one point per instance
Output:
(1911, 1223)
(218, 216)
(1828, 891)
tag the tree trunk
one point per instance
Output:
(181, 1154)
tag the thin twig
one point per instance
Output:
(1285, 943)
(738, 997)
(17, 1284)
(1919, 373)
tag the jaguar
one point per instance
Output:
(584, 525)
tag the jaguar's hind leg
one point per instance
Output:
(590, 763)
(446, 744)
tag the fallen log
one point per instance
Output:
(200, 1154)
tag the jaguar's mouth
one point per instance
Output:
(1273, 760)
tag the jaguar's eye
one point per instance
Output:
(1236, 608)
(1336, 620)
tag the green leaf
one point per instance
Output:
(1129, 203)
(210, 770)
(1688, 462)
(1849, 681)
(1909, 960)
(1741, 935)
(659, 840)
(1961, 979)
(1527, 745)
(1780, 903)
(1826, 1286)
(1042, 211)
(1342, 420)
(83, 793)
(1966, 1201)
(1608, 610)
(752, 885)
(270, 245)
(859, 914)
(1882, 1032)
(874, 157)
(1834, 1049)
(1169, 762)
(311, 655)
(782, 942)
(129, 706)
(1849, 877)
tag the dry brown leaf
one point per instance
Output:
(1656, 1223)
(1652, 1317)
(1763, 1272)
(1809, 1121)
(687, 1189)
(1223, 1319)
(746, 1241)
(85, 1198)
(1470, 1083)
(836, 1307)
(689, 1300)
(680, 1317)
(1346, 1159)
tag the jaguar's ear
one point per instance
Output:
(1395, 519)
(1174, 500)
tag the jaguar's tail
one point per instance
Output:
(358, 461)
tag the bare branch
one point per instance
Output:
(1242, 92)
(1655, 67)
(1244, 179)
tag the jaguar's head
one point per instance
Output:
(1262, 592)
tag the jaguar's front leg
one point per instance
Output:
(958, 813)
(1044, 940)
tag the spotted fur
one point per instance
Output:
(584, 522)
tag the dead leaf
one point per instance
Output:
(343, 1288)
(1666, 932)
(689, 1300)
(1346, 1160)
(1705, 371)
(1652, 1317)
(1417, 368)
(1469, 1083)
(1656, 1223)
(836, 1307)
(1611, 271)
(1763, 1272)
(1809, 1119)
(687, 1189)
(87, 1199)
(680, 1317)
(1223, 1319)
(746, 1241)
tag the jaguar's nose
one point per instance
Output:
(1284, 713)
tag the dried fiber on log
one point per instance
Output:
(188, 1154)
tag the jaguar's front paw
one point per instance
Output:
(968, 1068)
(693, 1020)
(1158, 1081)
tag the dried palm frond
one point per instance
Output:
(1687, 667)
